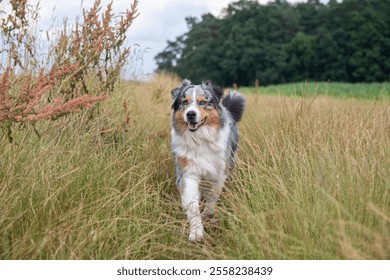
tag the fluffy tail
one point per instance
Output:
(235, 103)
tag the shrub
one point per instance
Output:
(84, 63)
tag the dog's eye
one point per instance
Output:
(185, 102)
(202, 103)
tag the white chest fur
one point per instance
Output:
(204, 150)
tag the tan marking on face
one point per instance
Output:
(188, 99)
(182, 162)
(211, 114)
(201, 98)
(179, 121)
(213, 118)
(179, 118)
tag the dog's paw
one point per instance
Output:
(208, 217)
(211, 222)
(196, 234)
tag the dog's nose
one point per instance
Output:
(191, 115)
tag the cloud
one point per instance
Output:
(158, 21)
(164, 20)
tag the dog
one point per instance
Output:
(204, 139)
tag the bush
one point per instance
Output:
(84, 63)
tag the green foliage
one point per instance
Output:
(280, 42)
(300, 56)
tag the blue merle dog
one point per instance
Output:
(204, 139)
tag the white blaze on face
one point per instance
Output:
(192, 107)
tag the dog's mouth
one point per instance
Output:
(194, 126)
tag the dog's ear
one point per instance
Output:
(217, 91)
(186, 83)
(176, 91)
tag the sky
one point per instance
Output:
(158, 21)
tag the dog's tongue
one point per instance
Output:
(193, 126)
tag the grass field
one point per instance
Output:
(376, 91)
(312, 181)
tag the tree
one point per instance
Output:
(300, 57)
(168, 59)
(279, 42)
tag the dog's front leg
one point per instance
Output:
(212, 197)
(190, 201)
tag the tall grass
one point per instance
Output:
(311, 181)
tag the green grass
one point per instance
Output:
(311, 181)
(377, 91)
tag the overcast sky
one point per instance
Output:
(159, 21)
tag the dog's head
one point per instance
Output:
(195, 106)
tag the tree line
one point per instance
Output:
(280, 42)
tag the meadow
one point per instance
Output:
(312, 181)
(375, 91)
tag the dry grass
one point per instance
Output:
(311, 182)
(79, 68)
